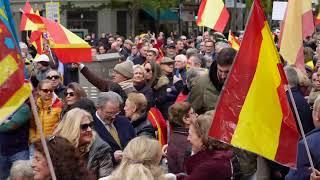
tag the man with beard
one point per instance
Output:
(205, 91)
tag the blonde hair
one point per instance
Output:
(69, 127)
(316, 108)
(140, 161)
(139, 100)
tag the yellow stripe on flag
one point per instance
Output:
(73, 38)
(15, 101)
(261, 133)
(8, 67)
(211, 13)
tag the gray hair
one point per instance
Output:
(220, 45)
(109, 96)
(199, 59)
(292, 76)
(21, 168)
(193, 73)
(191, 51)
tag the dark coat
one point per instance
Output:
(70, 75)
(124, 128)
(60, 91)
(302, 172)
(100, 158)
(303, 108)
(139, 60)
(147, 92)
(142, 126)
(103, 84)
(208, 165)
(177, 148)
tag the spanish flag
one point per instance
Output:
(253, 112)
(233, 41)
(297, 25)
(66, 45)
(13, 88)
(213, 14)
(25, 23)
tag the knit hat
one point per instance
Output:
(125, 68)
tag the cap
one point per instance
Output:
(154, 50)
(42, 58)
(167, 60)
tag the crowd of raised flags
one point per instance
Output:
(255, 111)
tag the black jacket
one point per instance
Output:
(143, 127)
(147, 92)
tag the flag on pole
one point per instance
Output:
(66, 45)
(13, 89)
(213, 14)
(297, 25)
(37, 41)
(233, 41)
(25, 23)
(253, 112)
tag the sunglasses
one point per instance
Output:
(86, 126)
(47, 90)
(53, 77)
(148, 70)
(71, 94)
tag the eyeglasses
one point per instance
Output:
(53, 77)
(86, 126)
(110, 114)
(47, 90)
(148, 70)
(71, 94)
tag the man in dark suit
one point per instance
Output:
(113, 128)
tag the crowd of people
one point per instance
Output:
(175, 81)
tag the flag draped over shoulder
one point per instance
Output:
(253, 112)
(297, 25)
(13, 89)
(213, 14)
(66, 45)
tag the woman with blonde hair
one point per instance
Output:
(140, 160)
(76, 126)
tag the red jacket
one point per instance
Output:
(208, 165)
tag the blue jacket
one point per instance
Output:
(14, 134)
(302, 172)
(124, 128)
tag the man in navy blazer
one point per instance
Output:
(114, 129)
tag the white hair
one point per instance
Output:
(182, 57)
(21, 168)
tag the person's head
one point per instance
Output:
(152, 54)
(135, 106)
(206, 35)
(102, 49)
(55, 77)
(144, 50)
(292, 76)
(193, 73)
(134, 50)
(128, 44)
(196, 60)
(179, 45)
(209, 46)
(138, 74)
(191, 51)
(224, 62)
(115, 46)
(108, 106)
(111, 40)
(316, 113)
(45, 90)
(120, 40)
(21, 170)
(42, 62)
(76, 126)
(180, 61)
(315, 81)
(85, 104)
(24, 48)
(73, 93)
(220, 45)
(122, 72)
(66, 160)
(140, 160)
(198, 135)
(167, 65)
(183, 39)
(181, 114)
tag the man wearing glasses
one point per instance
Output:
(56, 81)
(113, 128)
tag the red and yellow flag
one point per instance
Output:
(297, 25)
(13, 89)
(213, 14)
(233, 41)
(37, 40)
(66, 45)
(255, 114)
(25, 23)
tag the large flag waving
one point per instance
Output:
(298, 24)
(213, 14)
(256, 115)
(25, 23)
(13, 89)
(67, 46)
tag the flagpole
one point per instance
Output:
(301, 128)
(42, 138)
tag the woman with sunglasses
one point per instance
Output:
(76, 126)
(73, 93)
(49, 109)
(66, 161)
